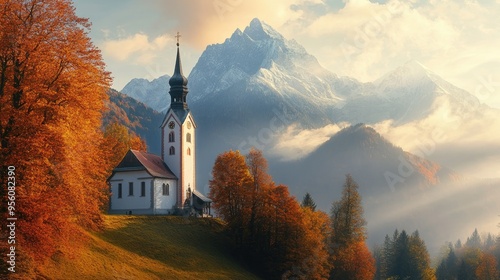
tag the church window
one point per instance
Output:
(171, 137)
(189, 151)
(165, 189)
(131, 188)
(188, 137)
(143, 188)
(120, 190)
(171, 151)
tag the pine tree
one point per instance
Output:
(347, 216)
(489, 243)
(474, 241)
(351, 258)
(420, 259)
(308, 202)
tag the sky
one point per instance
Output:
(459, 40)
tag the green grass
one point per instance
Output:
(146, 247)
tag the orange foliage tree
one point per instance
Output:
(487, 268)
(315, 262)
(230, 189)
(52, 90)
(268, 227)
(117, 141)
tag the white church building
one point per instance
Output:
(148, 184)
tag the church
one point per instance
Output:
(148, 184)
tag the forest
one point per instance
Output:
(284, 239)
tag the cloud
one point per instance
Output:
(467, 142)
(365, 40)
(295, 143)
(208, 22)
(138, 45)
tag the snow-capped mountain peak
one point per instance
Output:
(412, 72)
(152, 93)
(259, 30)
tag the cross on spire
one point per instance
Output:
(178, 36)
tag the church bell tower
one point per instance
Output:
(178, 131)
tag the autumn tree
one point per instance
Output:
(261, 181)
(348, 236)
(117, 141)
(52, 90)
(268, 227)
(315, 262)
(230, 191)
(487, 268)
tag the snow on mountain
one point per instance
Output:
(152, 93)
(410, 92)
(259, 66)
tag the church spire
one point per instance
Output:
(178, 83)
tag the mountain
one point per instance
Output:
(138, 117)
(152, 93)
(409, 93)
(399, 189)
(250, 89)
(257, 73)
(378, 166)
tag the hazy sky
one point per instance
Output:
(459, 39)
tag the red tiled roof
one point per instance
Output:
(153, 164)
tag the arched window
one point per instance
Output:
(171, 137)
(189, 151)
(171, 151)
(165, 190)
(188, 137)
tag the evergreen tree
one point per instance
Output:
(474, 241)
(351, 258)
(451, 264)
(348, 223)
(405, 257)
(402, 257)
(308, 202)
(489, 243)
(419, 258)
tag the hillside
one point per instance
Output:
(135, 115)
(145, 247)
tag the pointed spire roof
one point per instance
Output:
(178, 84)
(178, 78)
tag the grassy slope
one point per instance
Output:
(144, 247)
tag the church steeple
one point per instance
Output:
(178, 83)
